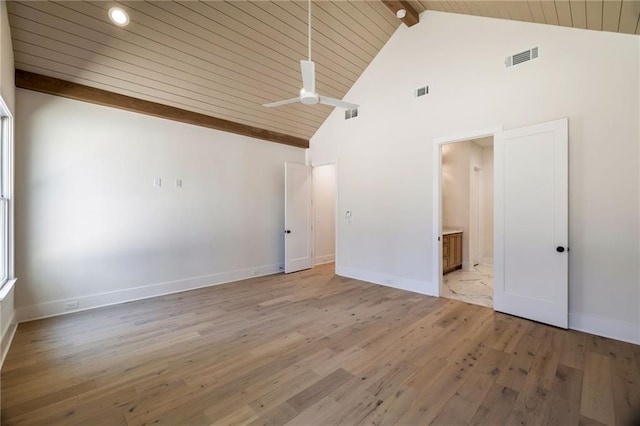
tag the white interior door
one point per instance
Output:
(531, 223)
(298, 241)
(474, 217)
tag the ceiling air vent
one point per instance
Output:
(421, 91)
(521, 57)
(350, 113)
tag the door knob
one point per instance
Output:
(559, 249)
(288, 231)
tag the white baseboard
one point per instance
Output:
(7, 338)
(487, 261)
(606, 327)
(57, 307)
(321, 260)
(402, 283)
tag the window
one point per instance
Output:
(6, 138)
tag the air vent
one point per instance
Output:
(421, 91)
(350, 113)
(521, 57)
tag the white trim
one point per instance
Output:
(6, 288)
(475, 134)
(615, 329)
(437, 196)
(487, 261)
(57, 307)
(321, 260)
(402, 283)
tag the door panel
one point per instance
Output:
(531, 221)
(474, 217)
(298, 241)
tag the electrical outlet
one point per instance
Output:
(178, 183)
(157, 182)
(71, 305)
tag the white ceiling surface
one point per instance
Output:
(227, 58)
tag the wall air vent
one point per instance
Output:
(350, 113)
(521, 57)
(421, 91)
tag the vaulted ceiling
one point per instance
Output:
(226, 58)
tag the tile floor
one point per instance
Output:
(474, 286)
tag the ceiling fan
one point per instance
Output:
(308, 95)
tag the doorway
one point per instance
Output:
(530, 212)
(467, 220)
(324, 214)
(310, 216)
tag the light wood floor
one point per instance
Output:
(312, 348)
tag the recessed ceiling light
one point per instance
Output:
(401, 13)
(118, 16)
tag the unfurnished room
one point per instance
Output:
(320, 212)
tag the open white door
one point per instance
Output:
(531, 223)
(298, 241)
(474, 218)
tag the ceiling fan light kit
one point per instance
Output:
(308, 94)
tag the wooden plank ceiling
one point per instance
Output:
(226, 58)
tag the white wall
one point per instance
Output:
(324, 210)
(92, 227)
(386, 170)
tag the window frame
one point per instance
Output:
(6, 193)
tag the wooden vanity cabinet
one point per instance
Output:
(451, 252)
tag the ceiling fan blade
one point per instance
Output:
(280, 103)
(308, 76)
(337, 103)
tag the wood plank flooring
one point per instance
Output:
(312, 348)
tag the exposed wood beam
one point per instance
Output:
(411, 18)
(80, 92)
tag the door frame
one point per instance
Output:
(336, 194)
(437, 194)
